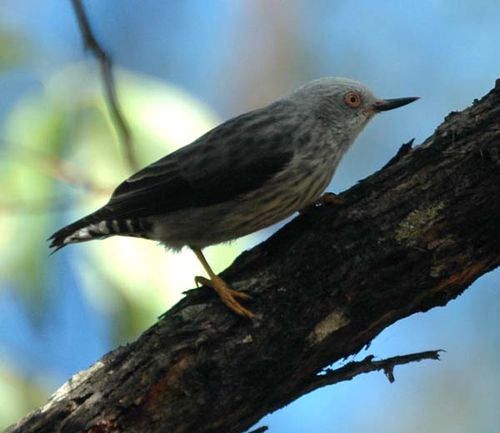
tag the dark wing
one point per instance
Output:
(234, 158)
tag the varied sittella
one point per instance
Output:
(242, 176)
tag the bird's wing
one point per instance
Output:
(234, 158)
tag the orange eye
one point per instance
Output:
(352, 99)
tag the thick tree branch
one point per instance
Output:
(106, 64)
(411, 237)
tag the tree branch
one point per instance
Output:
(105, 64)
(367, 365)
(410, 237)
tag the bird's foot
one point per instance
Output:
(328, 198)
(227, 295)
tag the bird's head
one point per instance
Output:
(344, 104)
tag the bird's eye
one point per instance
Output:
(352, 99)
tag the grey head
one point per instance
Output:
(345, 105)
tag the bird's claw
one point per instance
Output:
(227, 295)
(328, 198)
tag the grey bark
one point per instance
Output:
(410, 237)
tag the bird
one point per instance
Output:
(244, 175)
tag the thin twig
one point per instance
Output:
(67, 172)
(55, 167)
(105, 64)
(352, 369)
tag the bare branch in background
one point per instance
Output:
(54, 167)
(367, 365)
(105, 64)
(57, 168)
(68, 172)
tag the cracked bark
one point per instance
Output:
(410, 237)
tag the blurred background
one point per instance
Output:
(182, 67)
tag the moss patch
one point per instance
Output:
(416, 222)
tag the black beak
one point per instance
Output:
(389, 104)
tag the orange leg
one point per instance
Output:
(226, 294)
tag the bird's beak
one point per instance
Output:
(389, 104)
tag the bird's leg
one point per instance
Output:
(327, 198)
(226, 294)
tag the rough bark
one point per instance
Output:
(411, 237)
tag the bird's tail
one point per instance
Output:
(98, 225)
(91, 227)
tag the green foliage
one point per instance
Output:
(61, 160)
(13, 49)
(70, 137)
